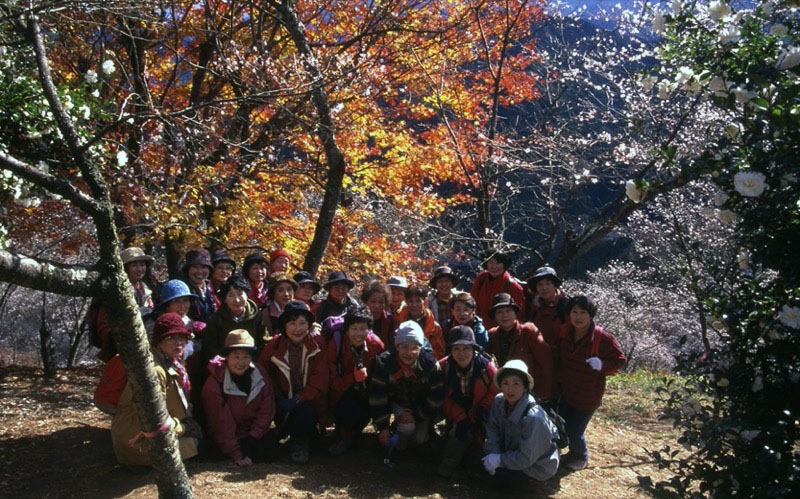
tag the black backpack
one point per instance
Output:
(561, 439)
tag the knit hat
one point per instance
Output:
(544, 273)
(409, 332)
(461, 335)
(220, 256)
(443, 271)
(293, 309)
(502, 300)
(169, 324)
(173, 289)
(517, 367)
(251, 260)
(197, 257)
(304, 277)
(134, 254)
(337, 277)
(239, 338)
(397, 282)
(277, 254)
(498, 255)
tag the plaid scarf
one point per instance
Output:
(176, 364)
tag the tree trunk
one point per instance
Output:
(326, 133)
(76, 335)
(46, 343)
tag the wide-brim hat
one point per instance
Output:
(338, 277)
(502, 300)
(239, 338)
(499, 255)
(220, 256)
(278, 278)
(134, 254)
(517, 367)
(169, 324)
(443, 271)
(544, 273)
(461, 335)
(294, 308)
(397, 282)
(172, 290)
(197, 257)
(304, 277)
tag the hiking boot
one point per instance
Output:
(299, 453)
(578, 464)
(340, 446)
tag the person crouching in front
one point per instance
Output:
(520, 438)
(295, 361)
(239, 402)
(469, 393)
(407, 383)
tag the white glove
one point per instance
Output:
(491, 462)
(595, 363)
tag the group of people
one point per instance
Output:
(247, 359)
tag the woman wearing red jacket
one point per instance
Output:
(469, 393)
(295, 361)
(239, 402)
(587, 355)
(512, 340)
(495, 279)
(350, 355)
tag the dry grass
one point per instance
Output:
(53, 443)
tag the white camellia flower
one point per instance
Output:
(743, 95)
(85, 111)
(664, 89)
(732, 131)
(720, 198)
(122, 158)
(778, 30)
(91, 77)
(676, 5)
(718, 10)
(788, 58)
(685, 74)
(728, 217)
(634, 192)
(108, 67)
(790, 316)
(96, 93)
(659, 22)
(749, 434)
(750, 184)
(729, 34)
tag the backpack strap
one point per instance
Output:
(596, 343)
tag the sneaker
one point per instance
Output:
(340, 446)
(299, 453)
(578, 464)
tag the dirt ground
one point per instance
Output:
(54, 443)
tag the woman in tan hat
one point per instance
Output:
(239, 402)
(169, 339)
(520, 438)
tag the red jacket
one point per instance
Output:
(485, 288)
(433, 332)
(547, 316)
(275, 360)
(483, 391)
(388, 327)
(230, 414)
(581, 386)
(528, 346)
(340, 383)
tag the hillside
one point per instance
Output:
(53, 443)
